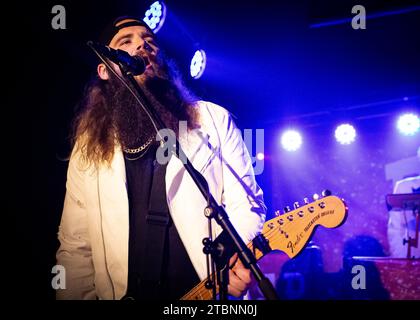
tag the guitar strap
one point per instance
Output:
(158, 220)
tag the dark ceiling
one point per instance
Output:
(267, 60)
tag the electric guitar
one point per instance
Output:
(288, 232)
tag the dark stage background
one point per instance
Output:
(273, 65)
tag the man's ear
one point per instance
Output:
(103, 71)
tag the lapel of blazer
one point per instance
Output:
(196, 145)
(185, 201)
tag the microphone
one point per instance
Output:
(134, 64)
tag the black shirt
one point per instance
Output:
(178, 274)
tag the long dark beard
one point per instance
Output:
(169, 98)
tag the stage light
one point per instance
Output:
(408, 124)
(291, 140)
(345, 134)
(198, 64)
(260, 156)
(155, 16)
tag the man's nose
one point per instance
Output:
(143, 46)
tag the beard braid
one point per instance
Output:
(171, 100)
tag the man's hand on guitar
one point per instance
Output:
(240, 278)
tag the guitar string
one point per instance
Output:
(200, 288)
(201, 285)
(269, 233)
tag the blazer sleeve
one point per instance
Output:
(75, 252)
(242, 197)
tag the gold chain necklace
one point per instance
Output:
(139, 149)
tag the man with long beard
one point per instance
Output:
(132, 227)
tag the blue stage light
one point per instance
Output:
(291, 140)
(155, 16)
(345, 134)
(198, 64)
(408, 124)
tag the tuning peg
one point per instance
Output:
(315, 196)
(306, 200)
(326, 193)
(296, 205)
(277, 212)
(286, 209)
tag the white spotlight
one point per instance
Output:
(198, 64)
(155, 16)
(408, 124)
(345, 134)
(291, 140)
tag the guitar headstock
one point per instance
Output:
(289, 232)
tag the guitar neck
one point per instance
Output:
(288, 233)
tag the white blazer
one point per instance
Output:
(94, 227)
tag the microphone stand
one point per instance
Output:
(213, 210)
